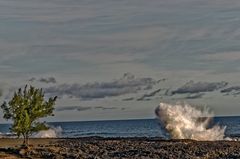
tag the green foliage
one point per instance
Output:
(25, 109)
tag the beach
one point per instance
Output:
(97, 148)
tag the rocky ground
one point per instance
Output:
(137, 148)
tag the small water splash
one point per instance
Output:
(52, 132)
(183, 121)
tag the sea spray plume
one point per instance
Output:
(52, 132)
(187, 122)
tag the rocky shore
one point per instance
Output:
(106, 148)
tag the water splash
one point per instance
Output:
(52, 132)
(183, 121)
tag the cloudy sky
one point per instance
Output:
(117, 59)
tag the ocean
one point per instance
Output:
(127, 128)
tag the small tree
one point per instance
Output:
(25, 109)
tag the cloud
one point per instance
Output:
(234, 90)
(126, 84)
(197, 87)
(81, 108)
(235, 94)
(48, 80)
(128, 99)
(195, 96)
(168, 92)
(78, 108)
(32, 79)
(151, 94)
(44, 80)
(105, 108)
(231, 89)
(143, 99)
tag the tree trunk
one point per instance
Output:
(25, 139)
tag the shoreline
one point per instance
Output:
(134, 147)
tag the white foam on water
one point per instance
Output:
(184, 121)
(52, 132)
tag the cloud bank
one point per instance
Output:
(125, 85)
(198, 87)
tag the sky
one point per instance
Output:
(118, 59)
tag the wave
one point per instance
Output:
(52, 132)
(187, 122)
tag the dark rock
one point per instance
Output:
(134, 148)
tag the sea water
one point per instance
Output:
(127, 128)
